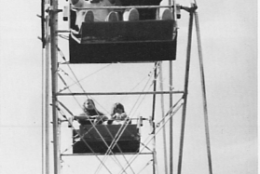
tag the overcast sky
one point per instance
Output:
(229, 40)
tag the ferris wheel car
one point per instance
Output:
(103, 139)
(144, 40)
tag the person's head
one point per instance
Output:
(89, 104)
(118, 108)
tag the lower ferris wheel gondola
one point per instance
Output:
(107, 139)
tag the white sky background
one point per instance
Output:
(229, 40)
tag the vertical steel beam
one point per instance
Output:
(164, 130)
(54, 62)
(44, 51)
(154, 89)
(153, 114)
(43, 115)
(185, 91)
(171, 119)
(47, 101)
(205, 108)
(171, 103)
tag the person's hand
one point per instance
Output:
(116, 116)
(123, 116)
(104, 118)
(101, 117)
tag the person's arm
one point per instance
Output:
(85, 116)
(117, 116)
(101, 116)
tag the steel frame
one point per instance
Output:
(50, 47)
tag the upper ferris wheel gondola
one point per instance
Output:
(110, 31)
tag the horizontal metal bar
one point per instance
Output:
(123, 7)
(113, 42)
(121, 93)
(63, 31)
(95, 154)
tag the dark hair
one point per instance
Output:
(86, 110)
(88, 100)
(117, 106)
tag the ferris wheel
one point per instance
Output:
(121, 39)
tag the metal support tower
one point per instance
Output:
(53, 11)
(53, 14)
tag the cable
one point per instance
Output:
(69, 89)
(147, 164)
(88, 76)
(205, 109)
(74, 75)
(115, 140)
(158, 130)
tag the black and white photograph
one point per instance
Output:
(129, 87)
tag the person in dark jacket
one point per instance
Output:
(90, 114)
